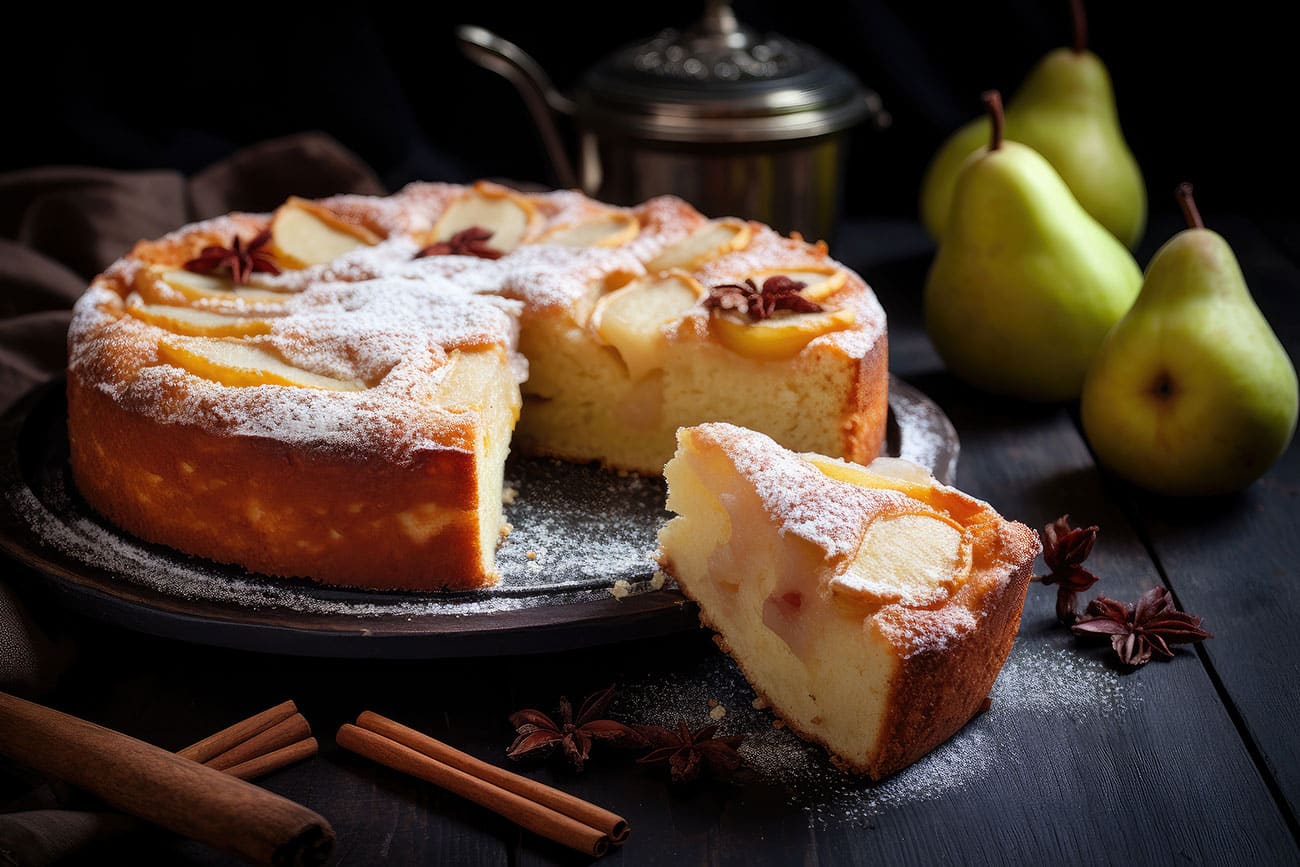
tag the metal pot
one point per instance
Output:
(734, 123)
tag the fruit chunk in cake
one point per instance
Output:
(871, 607)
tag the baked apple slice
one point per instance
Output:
(305, 234)
(635, 319)
(709, 241)
(240, 364)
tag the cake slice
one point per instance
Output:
(870, 607)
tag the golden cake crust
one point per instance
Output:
(940, 686)
(277, 509)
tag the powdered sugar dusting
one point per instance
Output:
(807, 503)
(1047, 683)
(363, 263)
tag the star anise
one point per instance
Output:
(575, 735)
(1064, 550)
(1137, 631)
(242, 261)
(467, 242)
(690, 752)
(778, 293)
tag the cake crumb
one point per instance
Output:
(778, 724)
(717, 713)
(506, 529)
(509, 494)
(657, 580)
(620, 589)
(531, 555)
(759, 703)
(713, 702)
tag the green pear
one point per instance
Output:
(1065, 110)
(1026, 284)
(1192, 393)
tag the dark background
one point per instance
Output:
(1203, 91)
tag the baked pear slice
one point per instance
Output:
(782, 335)
(507, 216)
(635, 319)
(198, 323)
(709, 241)
(241, 364)
(304, 234)
(607, 230)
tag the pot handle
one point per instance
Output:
(540, 96)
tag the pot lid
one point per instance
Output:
(722, 82)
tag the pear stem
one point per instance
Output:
(1080, 26)
(1190, 211)
(993, 102)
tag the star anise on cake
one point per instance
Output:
(243, 261)
(777, 293)
(1065, 548)
(1138, 631)
(688, 752)
(574, 735)
(467, 242)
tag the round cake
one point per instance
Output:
(330, 391)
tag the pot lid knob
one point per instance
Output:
(720, 81)
(717, 48)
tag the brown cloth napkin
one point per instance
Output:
(59, 227)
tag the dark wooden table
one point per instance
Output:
(1190, 761)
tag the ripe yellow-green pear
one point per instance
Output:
(1065, 110)
(1192, 393)
(1026, 284)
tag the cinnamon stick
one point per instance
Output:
(531, 815)
(584, 811)
(273, 761)
(166, 789)
(282, 734)
(216, 744)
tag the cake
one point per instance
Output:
(330, 391)
(870, 607)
